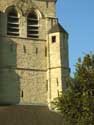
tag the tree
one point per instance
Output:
(76, 103)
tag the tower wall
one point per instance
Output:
(58, 63)
(27, 60)
(54, 67)
(47, 8)
(64, 58)
(33, 69)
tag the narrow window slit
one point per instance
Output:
(36, 50)
(22, 94)
(57, 81)
(24, 49)
(58, 92)
(45, 51)
(47, 85)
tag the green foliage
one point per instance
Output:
(76, 103)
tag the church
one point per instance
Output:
(33, 52)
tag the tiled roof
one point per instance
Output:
(57, 28)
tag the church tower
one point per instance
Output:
(58, 65)
(33, 51)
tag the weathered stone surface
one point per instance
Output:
(32, 70)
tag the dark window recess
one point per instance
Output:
(12, 23)
(53, 39)
(47, 85)
(22, 94)
(45, 51)
(58, 92)
(57, 81)
(47, 3)
(24, 49)
(36, 50)
(32, 25)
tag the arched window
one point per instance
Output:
(12, 23)
(32, 25)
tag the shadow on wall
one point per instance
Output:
(9, 79)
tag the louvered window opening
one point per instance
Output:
(13, 23)
(32, 26)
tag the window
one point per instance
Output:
(12, 23)
(46, 51)
(36, 50)
(53, 39)
(47, 85)
(24, 49)
(47, 3)
(57, 81)
(58, 92)
(32, 25)
(22, 93)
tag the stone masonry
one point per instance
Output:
(32, 70)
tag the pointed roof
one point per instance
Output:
(57, 28)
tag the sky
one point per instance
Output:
(77, 17)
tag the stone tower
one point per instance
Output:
(33, 52)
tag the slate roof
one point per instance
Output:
(57, 28)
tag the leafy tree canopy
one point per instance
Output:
(76, 103)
